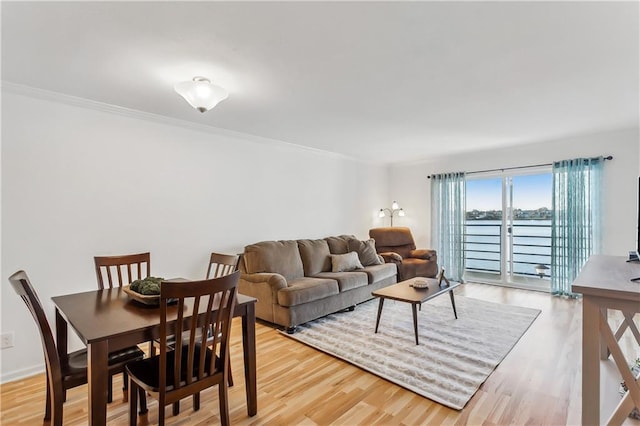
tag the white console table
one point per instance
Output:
(605, 283)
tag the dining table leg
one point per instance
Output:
(61, 337)
(250, 364)
(98, 353)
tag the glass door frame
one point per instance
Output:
(507, 277)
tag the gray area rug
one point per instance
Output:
(454, 356)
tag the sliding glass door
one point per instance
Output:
(508, 229)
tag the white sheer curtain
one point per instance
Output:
(447, 221)
(576, 224)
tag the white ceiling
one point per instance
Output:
(385, 82)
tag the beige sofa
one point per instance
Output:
(296, 281)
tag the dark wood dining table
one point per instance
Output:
(108, 320)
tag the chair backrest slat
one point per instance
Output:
(205, 337)
(113, 265)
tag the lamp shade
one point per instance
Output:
(395, 206)
(381, 214)
(200, 93)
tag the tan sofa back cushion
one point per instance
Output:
(366, 251)
(339, 244)
(280, 257)
(315, 256)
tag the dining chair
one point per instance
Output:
(222, 264)
(200, 362)
(219, 265)
(119, 271)
(62, 373)
(136, 266)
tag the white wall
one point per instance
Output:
(78, 182)
(410, 185)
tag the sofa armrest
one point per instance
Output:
(422, 254)
(391, 257)
(275, 281)
(264, 287)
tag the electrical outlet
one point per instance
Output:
(6, 340)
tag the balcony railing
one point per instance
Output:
(531, 245)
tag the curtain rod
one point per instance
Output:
(608, 157)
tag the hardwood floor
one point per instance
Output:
(537, 383)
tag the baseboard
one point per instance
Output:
(22, 373)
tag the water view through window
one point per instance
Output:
(508, 227)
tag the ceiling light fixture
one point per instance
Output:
(200, 93)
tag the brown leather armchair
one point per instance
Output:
(396, 245)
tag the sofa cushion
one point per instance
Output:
(380, 272)
(346, 280)
(339, 244)
(315, 256)
(280, 257)
(345, 262)
(366, 251)
(305, 290)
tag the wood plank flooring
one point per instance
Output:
(537, 383)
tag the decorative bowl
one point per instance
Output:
(150, 299)
(420, 284)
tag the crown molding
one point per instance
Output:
(48, 95)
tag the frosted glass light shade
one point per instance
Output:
(395, 206)
(381, 214)
(201, 94)
(401, 212)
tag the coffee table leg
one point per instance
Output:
(379, 313)
(415, 320)
(453, 304)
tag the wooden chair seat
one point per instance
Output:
(76, 364)
(147, 369)
(123, 356)
(77, 361)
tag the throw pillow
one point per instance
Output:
(366, 251)
(345, 262)
(339, 244)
